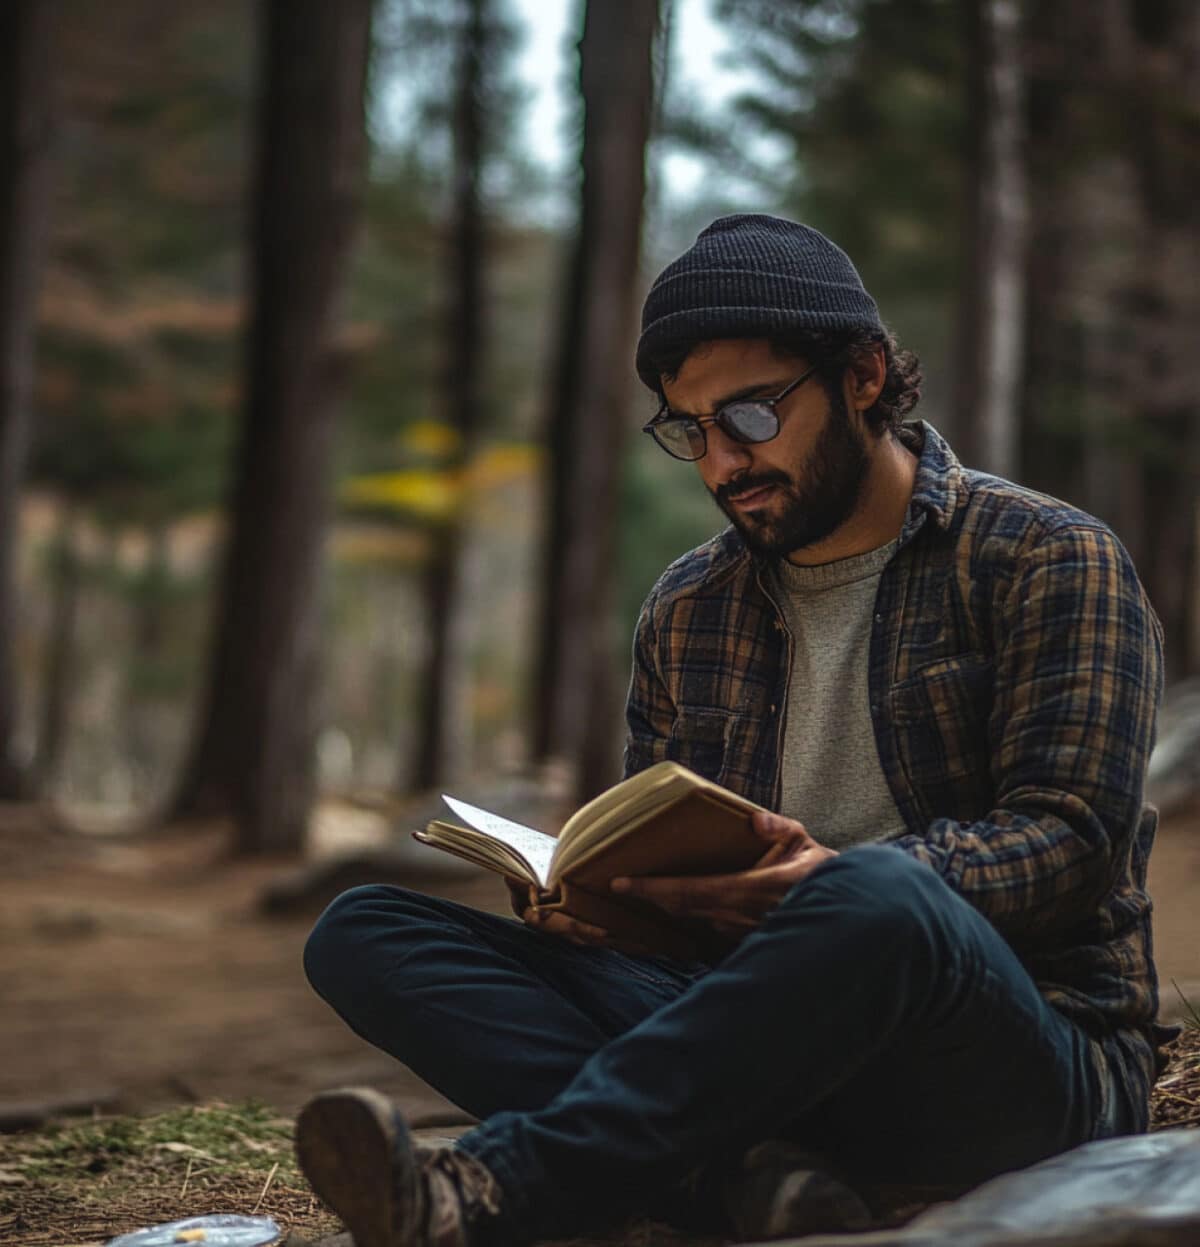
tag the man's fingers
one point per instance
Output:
(777, 829)
(670, 892)
(750, 892)
(685, 894)
(584, 934)
(554, 922)
(777, 850)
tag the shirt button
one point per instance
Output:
(772, 709)
(874, 707)
(878, 618)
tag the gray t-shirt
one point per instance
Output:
(832, 780)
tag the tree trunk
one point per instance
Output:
(1110, 400)
(462, 388)
(550, 659)
(992, 314)
(579, 690)
(150, 627)
(254, 755)
(25, 129)
(1079, 193)
(1161, 307)
(66, 575)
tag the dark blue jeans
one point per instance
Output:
(873, 1015)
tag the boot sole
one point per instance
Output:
(355, 1152)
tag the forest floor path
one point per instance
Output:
(141, 976)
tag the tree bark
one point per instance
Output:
(1161, 307)
(461, 387)
(1112, 419)
(25, 137)
(578, 699)
(992, 311)
(1079, 193)
(552, 645)
(150, 627)
(66, 576)
(254, 757)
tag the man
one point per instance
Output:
(943, 686)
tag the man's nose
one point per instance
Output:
(727, 456)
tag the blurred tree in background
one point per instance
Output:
(466, 316)
(448, 381)
(140, 306)
(916, 126)
(1110, 410)
(254, 753)
(989, 344)
(472, 42)
(137, 325)
(26, 30)
(867, 100)
(1013, 181)
(578, 697)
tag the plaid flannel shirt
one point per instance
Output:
(1015, 674)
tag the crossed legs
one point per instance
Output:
(873, 1015)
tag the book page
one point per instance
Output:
(534, 846)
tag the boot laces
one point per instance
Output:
(461, 1190)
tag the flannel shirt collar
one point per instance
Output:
(939, 487)
(938, 491)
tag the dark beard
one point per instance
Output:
(818, 499)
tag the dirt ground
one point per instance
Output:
(138, 976)
(142, 975)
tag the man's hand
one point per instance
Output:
(552, 923)
(735, 904)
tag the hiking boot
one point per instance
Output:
(359, 1158)
(783, 1191)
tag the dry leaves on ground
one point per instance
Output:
(1176, 1098)
(86, 1182)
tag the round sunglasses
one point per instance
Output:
(744, 420)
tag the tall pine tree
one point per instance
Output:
(254, 753)
(26, 28)
(579, 693)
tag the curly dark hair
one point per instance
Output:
(831, 352)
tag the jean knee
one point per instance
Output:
(334, 945)
(883, 888)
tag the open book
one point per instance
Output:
(665, 820)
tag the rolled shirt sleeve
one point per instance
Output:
(649, 710)
(1078, 679)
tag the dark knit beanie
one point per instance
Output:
(751, 276)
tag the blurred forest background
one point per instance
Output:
(319, 469)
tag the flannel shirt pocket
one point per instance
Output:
(700, 739)
(941, 715)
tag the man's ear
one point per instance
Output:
(865, 377)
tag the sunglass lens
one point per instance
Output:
(682, 438)
(750, 422)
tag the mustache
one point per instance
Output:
(748, 484)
